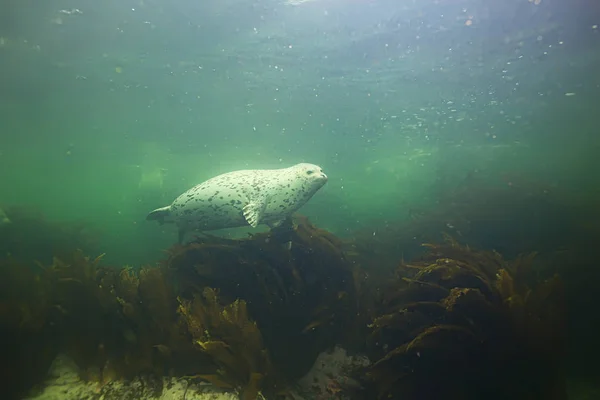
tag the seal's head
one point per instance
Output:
(311, 176)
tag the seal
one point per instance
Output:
(242, 198)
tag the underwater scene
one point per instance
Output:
(299, 199)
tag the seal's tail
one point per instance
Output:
(162, 215)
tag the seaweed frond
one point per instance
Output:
(233, 342)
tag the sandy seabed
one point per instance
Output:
(64, 383)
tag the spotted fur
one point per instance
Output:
(242, 198)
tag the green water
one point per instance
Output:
(111, 109)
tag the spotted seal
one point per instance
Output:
(242, 198)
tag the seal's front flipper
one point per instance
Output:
(254, 211)
(161, 215)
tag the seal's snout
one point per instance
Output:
(321, 173)
(314, 173)
(321, 176)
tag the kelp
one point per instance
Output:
(466, 324)
(28, 335)
(231, 312)
(253, 314)
(113, 324)
(234, 344)
(298, 287)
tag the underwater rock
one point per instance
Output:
(328, 378)
(64, 383)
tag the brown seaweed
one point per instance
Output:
(233, 342)
(467, 324)
(452, 323)
(119, 323)
(303, 294)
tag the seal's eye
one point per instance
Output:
(309, 172)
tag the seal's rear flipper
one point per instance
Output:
(161, 215)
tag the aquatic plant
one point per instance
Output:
(29, 340)
(468, 324)
(219, 310)
(297, 285)
(109, 322)
(455, 323)
(233, 342)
